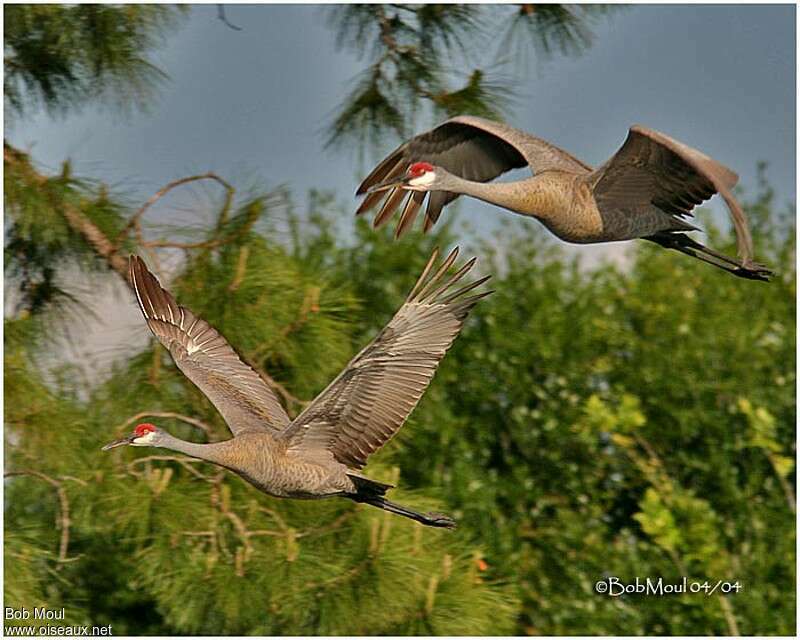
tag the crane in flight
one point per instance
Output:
(319, 454)
(646, 190)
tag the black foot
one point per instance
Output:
(753, 271)
(433, 519)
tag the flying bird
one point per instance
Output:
(320, 453)
(646, 190)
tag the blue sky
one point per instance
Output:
(254, 104)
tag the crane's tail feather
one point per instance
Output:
(683, 243)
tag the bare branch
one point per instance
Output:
(785, 485)
(204, 534)
(727, 611)
(328, 528)
(205, 244)
(221, 16)
(241, 266)
(265, 532)
(276, 517)
(135, 220)
(62, 519)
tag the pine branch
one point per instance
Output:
(221, 15)
(409, 43)
(76, 220)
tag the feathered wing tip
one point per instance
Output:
(393, 164)
(205, 357)
(436, 288)
(154, 300)
(413, 205)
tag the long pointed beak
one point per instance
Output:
(118, 443)
(388, 184)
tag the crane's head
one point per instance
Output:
(144, 435)
(420, 176)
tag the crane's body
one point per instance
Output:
(646, 190)
(564, 203)
(264, 462)
(261, 458)
(320, 452)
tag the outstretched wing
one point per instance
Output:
(653, 169)
(467, 146)
(370, 400)
(204, 356)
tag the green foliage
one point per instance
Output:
(553, 28)
(40, 242)
(634, 422)
(586, 423)
(410, 48)
(657, 521)
(197, 549)
(61, 57)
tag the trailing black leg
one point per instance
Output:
(684, 244)
(429, 519)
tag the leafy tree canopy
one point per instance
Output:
(619, 421)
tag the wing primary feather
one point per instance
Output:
(369, 202)
(467, 303)
(389, 207)
(148, 296)
(241, 396)
(409, 214)
(191, 327)
(436, 202)
(365, 406)
(452, 280)
(479, 296)
(448, 261)
(383, 170)
(132, 271)
(744, 240)
(465, 289)
(425, 272)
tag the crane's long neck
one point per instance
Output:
(214, 452)
(533, 196)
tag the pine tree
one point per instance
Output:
(155, 543)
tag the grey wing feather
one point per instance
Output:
(467, 146)
(205, 357)
(371, 399)
(653, 169)
(539, 154)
